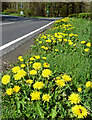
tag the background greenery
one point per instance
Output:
(56, 9)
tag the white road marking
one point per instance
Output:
(13, 22)
(19, 39)
(7, 23)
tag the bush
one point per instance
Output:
(81, 15)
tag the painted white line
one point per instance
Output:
(19, 39)
(26, 20)
(7, 23)
(13, 22)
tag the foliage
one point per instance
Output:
(81, 15)
(56, 9)
(54, 80)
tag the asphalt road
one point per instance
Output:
(17, 29)
(13, 28)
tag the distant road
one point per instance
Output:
(18, 30)
(15, 30)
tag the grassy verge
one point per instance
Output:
(53, 80)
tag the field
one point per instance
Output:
(54, 80)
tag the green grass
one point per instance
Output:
(69, 59)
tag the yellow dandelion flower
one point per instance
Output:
(79, 111)
(38, 85)
(60, 82)
(83, 42)
(66, 78)
(40, 41)
(33, 72)
(89, 84)
(30, 62)
(56, 49)
(48, 41)
(74, 98)
(46, 48)
(20, 58)
(22, 65)
(37, 57)
(79, 89)
(5, 79)
(54, 41)
(32, 58)
(37, 65)
(9, 91)
(20, 74)
(70, 43)
(46, 97)
(35, 95)
(16, 89)
(65, 40)
(46, 65)
(58, 78)
(44, 58)
(46, 73)
(15, 69)
(37, 40)
(43, 47)
(86, 49)
(74, 45)
(88, 44)
(60, 40)
(29, 81)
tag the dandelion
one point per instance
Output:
(9, 91)
(23, 65)
(33, 72)
(86, 49)
(46, 97)
(46, 48)
(15, 69)
(48, 41)
(5, 79)
(65, 40)
(20, 74)
(46, 73)
(20, 58)
(79, 111)
(74, 98)
(89, 84)
(37, 57)
(16, 89)
(38, 85)
(46, 65)
(56, 50)
(37, 65)
(35, 95)
(40, 41)
(83, 42)
(70, 43)
(74, 45)
(66, 78)
(29, 81)
(30, 63)
(60, 82)
(54, 41)
(58, 78)
(32, 58)
(79, 89)
(88, 44)
(44, 58)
